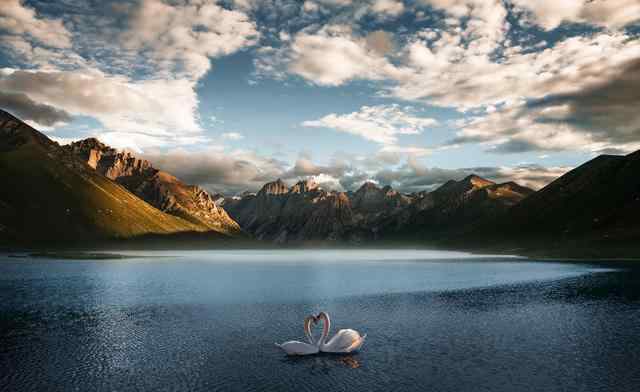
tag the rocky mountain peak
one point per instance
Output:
(109, 161)
(468, 184)
(389, 191)
(90, 143)
(304, 186)
(277, 187)
(477, 181)
(15, 133)
(368, 187)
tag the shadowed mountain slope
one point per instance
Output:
(595, 205)
(456, 207)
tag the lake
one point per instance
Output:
(208, 321)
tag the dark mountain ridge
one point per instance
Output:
(595, 206)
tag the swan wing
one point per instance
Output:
(357, 344)
(345, 340)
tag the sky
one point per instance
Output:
(231, 94)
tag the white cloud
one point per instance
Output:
(388, 7)
(406, 150)
(381, 124)
(550, 14)
(141, 87)
(310, 6)
(230, 172)
(182, 38)
(142, 142)
(333, 56)
(338, 3)
(413, 176)
(18, 20)
(592, 109)
(326, 181)
(232, 136)
(158, 107)
(234, 171)
(532, 176)
(516, 130)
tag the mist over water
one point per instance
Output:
(208, 320)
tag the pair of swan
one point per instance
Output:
(345, 341)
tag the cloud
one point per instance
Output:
(380, 42)
(405, 150)
(608, 111)
(230, 172)
(181, 38)
(472, 61)
(550, 14)
(27, 109)
(141, 84)
(234, 171)
(380, 124)
(529, 175)
(415, 177)
(333, 56)
(232, 136)
(18, 20)
(516, 129)
(163, 108)
(304, 167)
(388, 7)
(597, 117)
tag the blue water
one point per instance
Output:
(208, 320)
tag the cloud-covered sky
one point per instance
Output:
(232, 93)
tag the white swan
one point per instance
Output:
(294, 347)
(344, 341)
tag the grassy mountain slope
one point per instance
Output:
(48, 195)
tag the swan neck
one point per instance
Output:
(326, 326)
(307, 329)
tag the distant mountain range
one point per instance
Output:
(306, 212)
(87, 191)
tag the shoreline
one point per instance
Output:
(115, 254)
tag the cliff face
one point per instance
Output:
(303, 212)
(158, 188)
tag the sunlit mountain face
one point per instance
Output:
(228, 95)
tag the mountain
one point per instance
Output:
(306, 212)
(158, 188)
(455, 208)
(595, 206)
(49, 195)
(301, 213)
